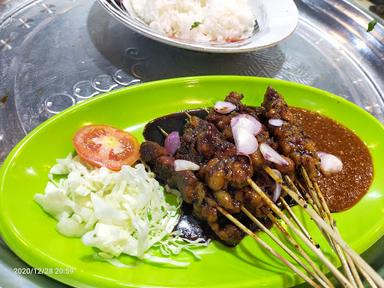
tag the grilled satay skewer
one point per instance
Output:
(215, 132)
(304, 157)
(282, 245)
(154, 154)
(294, 143)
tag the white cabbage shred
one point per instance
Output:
(123, 212)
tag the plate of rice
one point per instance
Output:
(214, 26)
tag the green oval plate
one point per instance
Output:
(31, 233)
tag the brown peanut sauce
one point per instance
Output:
(346, 188)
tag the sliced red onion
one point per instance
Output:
(245, 142)
(183, 165)
(172, 142)
(247, 122)
(276, 122)
(223, 107)
(329, 164)
(271, 155)
(277, 191)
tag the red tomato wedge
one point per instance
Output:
(105, 146)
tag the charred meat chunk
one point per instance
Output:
(192, 190)
(291, 138)
(220, 173)
(251, 200)
(163, 166)
(228, 233)
(235, 98)
(202, 141)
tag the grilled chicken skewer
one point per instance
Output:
(294, 142)
(239, 187)
(154, 155)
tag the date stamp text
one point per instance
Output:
(43, 270)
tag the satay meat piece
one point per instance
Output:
(291, 138)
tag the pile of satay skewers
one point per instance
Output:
(202, 186)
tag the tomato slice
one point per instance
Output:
(103, 145)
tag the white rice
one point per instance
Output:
(197, 20)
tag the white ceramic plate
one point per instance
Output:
(277, 19)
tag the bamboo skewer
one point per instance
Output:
(165, 134)
(325, 226)
(293, 216)
(267, 247)
(311, 202)
(366, 276)
(322, 206)
(319, 206)
(358, 260)
(298, 247)
(294, 188)
(189, 116)
(325, 208)
(340, 277)
(332, 222)
(354, 271)
(328, 216)
(346, 261)
(301, 187)
(317, 274)
(325, 212)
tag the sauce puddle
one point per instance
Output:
(346, 188)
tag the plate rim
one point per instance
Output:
(172, 82)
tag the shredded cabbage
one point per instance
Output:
(123, 212)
